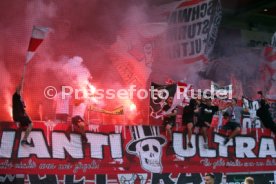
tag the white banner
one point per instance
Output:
(192, 26)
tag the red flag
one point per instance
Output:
(38, 34)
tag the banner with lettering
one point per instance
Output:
(192, 29)
(58, 149)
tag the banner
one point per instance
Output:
(58, 149)
(212, 35)
(192, 29)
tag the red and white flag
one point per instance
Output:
(38, 34)
(182, 95)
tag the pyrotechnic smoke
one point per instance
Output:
(83, 28)
(84, 32)
(5, 87)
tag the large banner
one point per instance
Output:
(58, 149)
(192, 30)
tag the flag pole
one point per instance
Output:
(23, 78)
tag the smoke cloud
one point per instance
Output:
(74, 53)
(80, 50)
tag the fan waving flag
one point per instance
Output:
(38, 34)
(158, 101)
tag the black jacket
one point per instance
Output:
(18, 107)
(264, 114)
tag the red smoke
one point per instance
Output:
(85, 29)
(82, 28)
